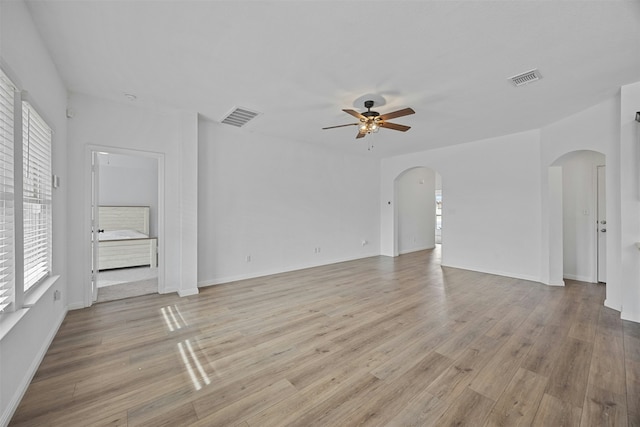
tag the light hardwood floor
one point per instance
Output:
(378, 341)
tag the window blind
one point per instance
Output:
(36, 196)
(7, 92)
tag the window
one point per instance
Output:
(36, 153)
(7, 92)
(25, 220)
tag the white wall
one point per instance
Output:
(112, 126)
(130, 181)
(502, 215)
(552, 234)
(629, 178)
(415, 193)
(22, 348)
(188, 179)
(594, 129)
(276, 201)
(492, 208)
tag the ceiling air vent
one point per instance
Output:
(239, 117)
(525, 78)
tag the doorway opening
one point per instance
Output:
(438, 197)
(601, 224)
(578, 217)
(418, 210)
(125, 224)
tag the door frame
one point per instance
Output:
(90, 149)
(95, 221)
(598, 225)
(554, 270)
(396, 212)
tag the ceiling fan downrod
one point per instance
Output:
(369, 113)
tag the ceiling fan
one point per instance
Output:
(372, 121)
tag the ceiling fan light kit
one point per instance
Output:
(371, 121)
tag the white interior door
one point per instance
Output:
(94, 225)
(602, 226)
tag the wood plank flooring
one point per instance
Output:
(377, 341)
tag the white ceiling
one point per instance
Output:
(300, 62)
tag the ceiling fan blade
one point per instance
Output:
(394, 114)
(341, 126)
(354, 113)
(401, 128)
(361, 135)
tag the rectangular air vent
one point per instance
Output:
(525, 78)
(239, 117)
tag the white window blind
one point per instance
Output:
(7, 280)
(36, 153)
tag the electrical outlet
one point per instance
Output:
(56, 295)
(248, 258)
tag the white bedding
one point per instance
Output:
(121, 235)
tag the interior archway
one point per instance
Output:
(416, 220)
(574, 235)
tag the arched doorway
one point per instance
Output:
(577, 218)
(417, 219)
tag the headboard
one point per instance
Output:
(124, 218)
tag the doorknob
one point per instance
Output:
(604, 230)
(603, 222)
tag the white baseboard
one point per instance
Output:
(422, 248)
(561, 284)
(24, 384)
(497, 273)
(578, 278)
(75, 306)
(608, 304)
(269, 272)
(188, 292)
(630, 316)
(227, 279)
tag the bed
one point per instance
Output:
(125, 241)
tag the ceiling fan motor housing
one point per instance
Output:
(372, 114)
